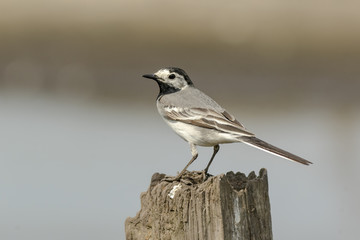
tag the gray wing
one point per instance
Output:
(206, 118)
(190, 97)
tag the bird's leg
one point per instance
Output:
(216, 149)
(194, 156)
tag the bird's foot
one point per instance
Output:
(171, 179)
(188, 178)
(205, 175)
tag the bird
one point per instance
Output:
(201, 121)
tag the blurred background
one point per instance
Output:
(81, 136)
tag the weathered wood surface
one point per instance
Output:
(224, 207)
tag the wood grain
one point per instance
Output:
(224, 207)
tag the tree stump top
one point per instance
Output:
(228, 206)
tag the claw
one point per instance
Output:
(205, 175)
(171, 179)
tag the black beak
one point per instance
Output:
(151, 76)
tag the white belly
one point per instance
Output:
(200, 136)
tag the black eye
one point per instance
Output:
(172, 76)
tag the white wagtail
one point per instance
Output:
(199, 120)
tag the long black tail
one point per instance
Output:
(258, 143)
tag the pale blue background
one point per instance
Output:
(80, 136)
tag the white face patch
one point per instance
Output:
(172, 79)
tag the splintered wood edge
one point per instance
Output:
(195, 177)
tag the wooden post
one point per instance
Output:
(224, 207)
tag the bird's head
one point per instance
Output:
(170, 79)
